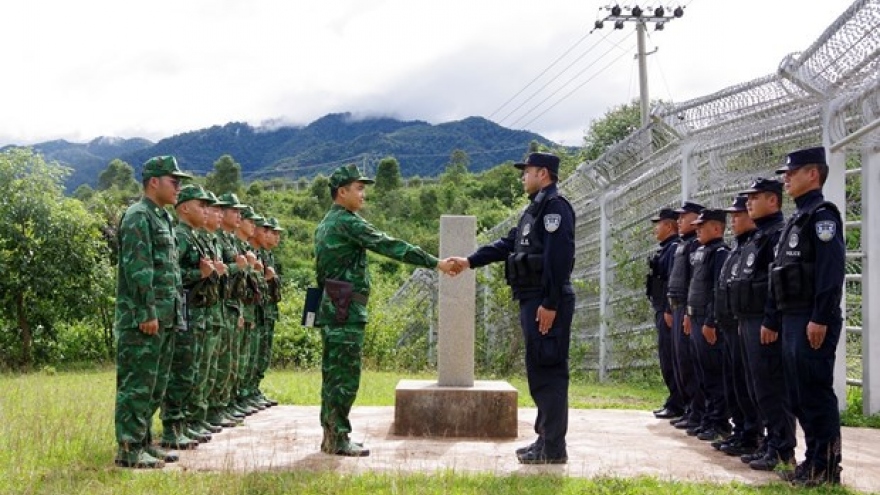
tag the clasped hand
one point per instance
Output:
(453, 265)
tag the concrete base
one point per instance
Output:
(422, 408)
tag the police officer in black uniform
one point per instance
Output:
(708, 340)
(539, 256)
(807, 279)
(747, 425)
(657, 280)
(763, 348)
(679, 282)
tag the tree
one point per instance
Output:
(51, 254)
(613, 127)
(226, 176)
(388, 175)
(118, 174)
(320, 190)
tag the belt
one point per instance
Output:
(360, 298)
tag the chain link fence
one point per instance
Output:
(705, 150)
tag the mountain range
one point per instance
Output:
(264, 152)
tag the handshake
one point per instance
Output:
(452, 266)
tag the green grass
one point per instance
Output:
(56, 437)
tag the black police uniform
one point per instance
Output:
(685, 373)
(539, 255)
(750, 294)
(657, 281)
(747, 426)
(807, 279)
(706, 265)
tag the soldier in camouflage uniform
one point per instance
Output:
(271, 238)
(200, 280)
(341, 243)
(148, 308)
(248, 337)
(219, 412)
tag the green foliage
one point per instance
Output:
(226, 176)
(388, 175)
(614, 126)
(118, 174)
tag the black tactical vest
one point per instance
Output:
(680, 278)
(702, 286)
(525, 266)
(724, 313)
(751, 285)
(793, 272)
(656, 282)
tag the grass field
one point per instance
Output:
(56, 437)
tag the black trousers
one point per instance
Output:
(547, 372)
(685, 375)
(809, 374)
(674, 401)
(769, 387)
(746, 420)
(710, 364)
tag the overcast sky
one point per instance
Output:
(79, 69)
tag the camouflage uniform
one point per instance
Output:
(148, 288)
(270, 314)
(341, 243)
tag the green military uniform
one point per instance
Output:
(270, 313)
(227, 351)
(200, 293)
(341, 243)
(148, 288)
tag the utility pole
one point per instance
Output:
(641, 18)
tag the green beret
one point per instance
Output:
(346, 175)
(190, 192)
(230, 200)
(160, 166)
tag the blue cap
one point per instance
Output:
(804, 157)
(763, 185)
(709, 214)
(665, 214)
(689, 207)
(739, 204)
(546, 160)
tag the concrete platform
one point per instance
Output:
(423, 408)
(616, 443)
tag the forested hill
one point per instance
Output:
(422, 149)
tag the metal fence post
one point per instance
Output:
(604, 289)
(870, 281)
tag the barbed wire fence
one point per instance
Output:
(705, 150)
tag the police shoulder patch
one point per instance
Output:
(552, 221)
(825, 230)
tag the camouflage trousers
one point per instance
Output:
(264, 355)
(206, 366)
(184, 365)
(143, 363)
(250, 344)
(340, 377)
(226, 355)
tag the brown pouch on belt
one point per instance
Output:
(340, 293)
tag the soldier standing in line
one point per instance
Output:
(807, 280)
(251, 295)
(269, 241)
(206, 359)
(219, 412)
(747, 425)
(679, 282)
(708, 340)
(248, 391)
(659, 268)
(199, 279)
(148, 308)
(762, 349)
(342, 240)
(539, 256)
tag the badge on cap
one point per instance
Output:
(825, 230)
(552, 221)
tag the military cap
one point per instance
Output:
(275, 224)
(804, 157)
(263, 222)
(214, 200)
(347, 174)
(763, 185)
(739, 204)
(689, 207)
(230, 200)
(248, 213)
(160, 166)
(665, 214)
(190, 192)
(546, 160)
(709, 214)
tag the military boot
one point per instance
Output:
(137, 459)
(174, 437)
(160, 453)
(197, 434)
(207, 426)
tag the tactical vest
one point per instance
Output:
(525, 266)
(751, 285)
(680, 278)
(656, 282)
(793, 274)
(724, 312)
(702, 286)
